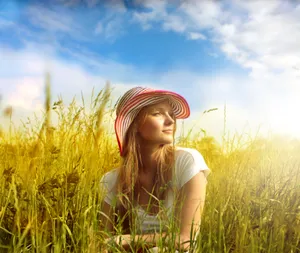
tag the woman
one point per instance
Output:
(156, 197)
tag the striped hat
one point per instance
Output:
(135, 99)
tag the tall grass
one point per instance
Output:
(50, 199)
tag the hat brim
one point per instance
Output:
(130, 110)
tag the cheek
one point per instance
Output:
(150, 128)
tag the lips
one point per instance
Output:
(168, 131)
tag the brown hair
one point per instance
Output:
(131, 163)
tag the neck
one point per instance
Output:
(148, 154)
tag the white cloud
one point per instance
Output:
(174, 23)
(274, 108)
(264, 37)
(265, 42)
(235, 120)
(22, 81)
(259, 7)
(154, 5)
(261, 36)
(114, 28)
(205, 14)
(27, 93)
(157, 13)
(196, 36)
(117, 5)
(144, 18)
(23, 63)
(50, 19)
(112, 25)
(54, 22)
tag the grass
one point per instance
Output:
(50, 197)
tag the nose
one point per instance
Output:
(169, 119)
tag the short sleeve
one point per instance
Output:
(188, 163)
(107, 184)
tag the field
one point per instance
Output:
(50, 197)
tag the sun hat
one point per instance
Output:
(130, 104)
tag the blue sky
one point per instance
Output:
(208, 51)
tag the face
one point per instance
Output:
(159, 118)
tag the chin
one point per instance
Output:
(170, 141)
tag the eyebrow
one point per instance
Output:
(163, 109)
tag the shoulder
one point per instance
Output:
(188, 153)
(107, 185)
(108, 180)
(188, 162)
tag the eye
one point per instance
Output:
(156, 113)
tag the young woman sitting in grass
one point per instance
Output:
(155, 198)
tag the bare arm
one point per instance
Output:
(192, 197)
(188, 217)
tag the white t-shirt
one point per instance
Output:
(188, 162)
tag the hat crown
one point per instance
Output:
(128, 95)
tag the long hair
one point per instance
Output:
(132, 163)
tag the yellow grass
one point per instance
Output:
(50, 197)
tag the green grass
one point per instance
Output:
(50, 198)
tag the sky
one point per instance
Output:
(240, 55)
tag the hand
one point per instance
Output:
(120, 241)
(183, 245)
